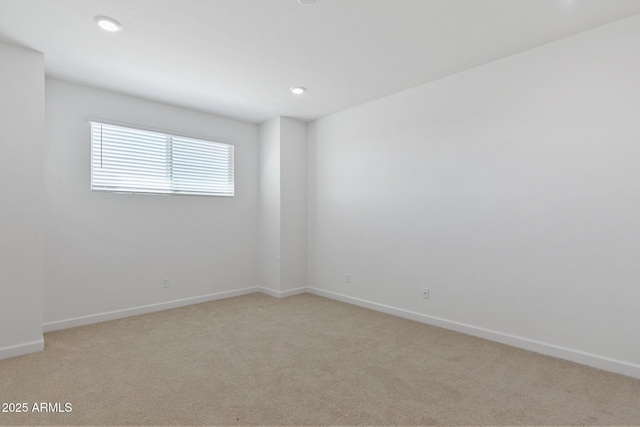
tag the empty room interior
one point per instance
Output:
(320, 212)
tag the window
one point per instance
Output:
(128, 160)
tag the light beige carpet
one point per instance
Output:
(303, 360)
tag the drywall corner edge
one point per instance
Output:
(593, 360)
(22, 349)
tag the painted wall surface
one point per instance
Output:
(22, 195)
(511, 190)
(269, 207)
(293, 140)
(283, 204)
(106, 252)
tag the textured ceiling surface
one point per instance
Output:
(238, 58)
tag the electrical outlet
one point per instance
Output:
(347, 278)
(425, 293)
(165, 282)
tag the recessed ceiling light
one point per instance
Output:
(306, 1)
(108, 24)
(298, 90)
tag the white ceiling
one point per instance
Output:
(238, 58)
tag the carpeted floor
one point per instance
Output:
(302, 360)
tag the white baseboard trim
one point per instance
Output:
(22, 349)
(283, 294)
(134, 311)
(584, 358)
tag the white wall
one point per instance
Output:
(283, 205)
(106, 252)
(22, 195)
(511, 190)
(293, 140)
(269, 206)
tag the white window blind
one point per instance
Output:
(128, 160)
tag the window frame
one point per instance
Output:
(169, 136)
